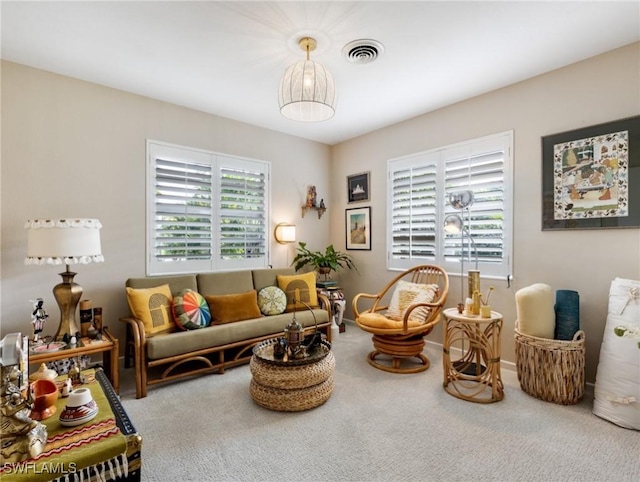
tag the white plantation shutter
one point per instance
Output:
(205, 212)
(413, 213)
(243, 223)
(419, 187)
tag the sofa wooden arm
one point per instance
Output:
(136, 337)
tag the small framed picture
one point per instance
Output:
(358, 187)
(358, 228)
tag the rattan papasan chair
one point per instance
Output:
(417, 297)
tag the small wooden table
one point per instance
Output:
(475, 375)
(109, 347)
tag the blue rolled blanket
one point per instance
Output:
(567, 314)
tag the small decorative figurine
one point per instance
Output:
(22, 437)
(38, 317)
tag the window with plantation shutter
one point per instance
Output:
(205, 211)
(418, 190)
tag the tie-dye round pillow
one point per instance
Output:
(190, 310)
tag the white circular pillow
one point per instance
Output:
(272, 301)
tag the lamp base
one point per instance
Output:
(68, 295)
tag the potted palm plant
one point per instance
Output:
(322, 262)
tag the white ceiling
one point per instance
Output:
(226, 58)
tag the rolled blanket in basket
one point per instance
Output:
(534, 306)
(567, 314)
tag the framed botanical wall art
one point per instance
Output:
(358, 187)
(591, 177)
(358, 228)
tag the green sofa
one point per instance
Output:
(178, 354)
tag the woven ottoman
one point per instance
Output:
(292, 388)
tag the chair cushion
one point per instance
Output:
(406, 294)
(378, 320)
(190, 310)
(300, 287)
(234, 307)
(153, 307)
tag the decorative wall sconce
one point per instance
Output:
(285, 233)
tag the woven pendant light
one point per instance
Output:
(307, 91)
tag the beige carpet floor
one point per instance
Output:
(377, 426)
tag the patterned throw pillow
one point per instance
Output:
(153, 307)
(407, 294)
(272, 301)
(300, 287)
(190, 310)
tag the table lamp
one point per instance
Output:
(64, 241)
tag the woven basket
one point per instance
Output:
(551, 370)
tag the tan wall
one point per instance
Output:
(598, 90)
(71, 148)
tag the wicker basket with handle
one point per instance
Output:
(551, 370)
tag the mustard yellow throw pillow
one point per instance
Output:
(153, 307)
(407, 294)
(234, 307)
(301, 287)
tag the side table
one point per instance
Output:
(291, 385)
(337, 302)
(475, 375)
(108, 346)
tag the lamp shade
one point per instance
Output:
(453, 224)
(63, 241)
(307, 92)
(285, 233)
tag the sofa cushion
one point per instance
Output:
(224, 283)
(272, 301)
(268, 277)
(180, 342)
(235, 307)
(300, 287)
(190, 310)
(153, 307)
(176, 283)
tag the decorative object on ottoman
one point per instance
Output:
(43, 373)
(617, 386)
(45, 393)
(80, 408)
(22, 438)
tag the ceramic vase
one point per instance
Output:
(80, 408)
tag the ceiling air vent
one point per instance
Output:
(362, 51)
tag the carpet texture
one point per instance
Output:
(377, 426)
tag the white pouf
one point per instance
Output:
(617, 387)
